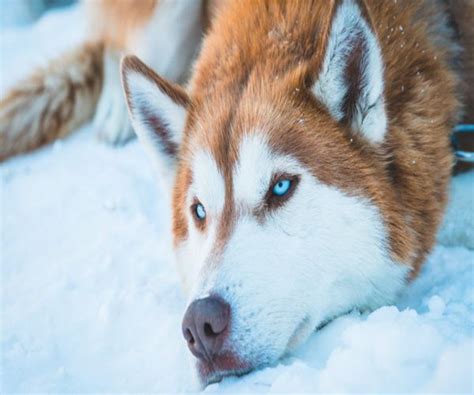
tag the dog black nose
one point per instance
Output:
(204, 326)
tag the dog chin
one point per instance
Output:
(223, 365)
(228, 363)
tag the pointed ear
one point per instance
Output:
(350, 82)
(158, 113)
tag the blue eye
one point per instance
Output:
(200, 212)
(282, 187)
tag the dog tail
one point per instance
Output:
(52, 102)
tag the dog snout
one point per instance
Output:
(204, 326)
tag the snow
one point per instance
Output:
(91, 301)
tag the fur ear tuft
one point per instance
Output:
(158, 112)
(350, 83)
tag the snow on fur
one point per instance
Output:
(91, 301)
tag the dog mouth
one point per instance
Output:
(229, 364)
(223, 365)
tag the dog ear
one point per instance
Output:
(158, 113)
(350, 82)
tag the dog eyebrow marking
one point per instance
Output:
(208, 183)
(257, 168)
(253, 170)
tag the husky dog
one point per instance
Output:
(307, 160)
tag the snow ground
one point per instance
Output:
(90, 301)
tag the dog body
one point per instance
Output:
(309, 161)
(85, 83)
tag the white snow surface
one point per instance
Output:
(90, 300)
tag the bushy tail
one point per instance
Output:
(52, 102)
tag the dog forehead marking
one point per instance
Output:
(208, 182)
(253, 170)
(255, 167)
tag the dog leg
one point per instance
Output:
(111, 121)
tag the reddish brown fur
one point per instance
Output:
(255, 71)
(463, 16)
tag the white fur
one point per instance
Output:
(208, 185)
(331, 86)
(144, 93)
(255, 168)
(250, 185)
(171, 38)
(111, 121)
(320, 255)
(167, 43)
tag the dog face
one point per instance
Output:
(280, 213)
(285, 251)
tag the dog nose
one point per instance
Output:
(204, 326)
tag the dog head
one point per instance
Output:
(281, 213)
